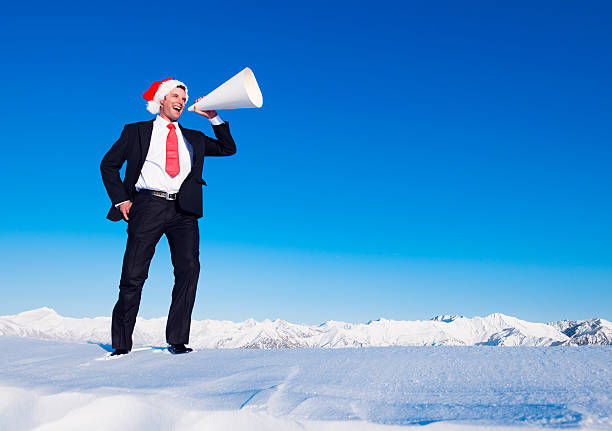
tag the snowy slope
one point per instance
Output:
(57, 385)
(495, 330)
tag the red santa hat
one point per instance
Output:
(158, 90)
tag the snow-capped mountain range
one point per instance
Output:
(584, 332)
(493, 330)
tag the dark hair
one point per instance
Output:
(181, 86)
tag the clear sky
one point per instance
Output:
(410, 159)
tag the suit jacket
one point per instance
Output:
(133, 146)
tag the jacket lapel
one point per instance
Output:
(146, 130)
(197, 150)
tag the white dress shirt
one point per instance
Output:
(153, 175)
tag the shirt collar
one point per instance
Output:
(163, 122)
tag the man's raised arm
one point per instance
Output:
(224, 144)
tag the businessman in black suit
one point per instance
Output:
(161, 193)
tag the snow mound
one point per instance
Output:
(57, 385)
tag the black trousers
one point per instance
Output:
(149, 218)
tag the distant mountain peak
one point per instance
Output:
(585, 332)
(41, 310)
(38, 313)
(446, 318)
(379, 320)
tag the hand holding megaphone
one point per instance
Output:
(208, 114)
(240, 91)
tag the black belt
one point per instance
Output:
(167, 196)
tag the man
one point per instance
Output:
(161, 193)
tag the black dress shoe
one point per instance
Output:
(176, 349)
(118, 352)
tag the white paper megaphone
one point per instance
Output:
(240, 91)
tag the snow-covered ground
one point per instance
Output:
(60, 385)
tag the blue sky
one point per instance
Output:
(409, 160)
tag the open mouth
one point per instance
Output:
(177, 108)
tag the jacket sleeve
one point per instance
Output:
(110, 166)
(223, 145)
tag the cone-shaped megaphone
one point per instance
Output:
(240, 91)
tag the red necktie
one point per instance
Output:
(172, 154)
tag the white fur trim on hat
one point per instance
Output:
(153, 107)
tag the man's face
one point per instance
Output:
(172, 105)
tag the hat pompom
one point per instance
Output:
(153, 107)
